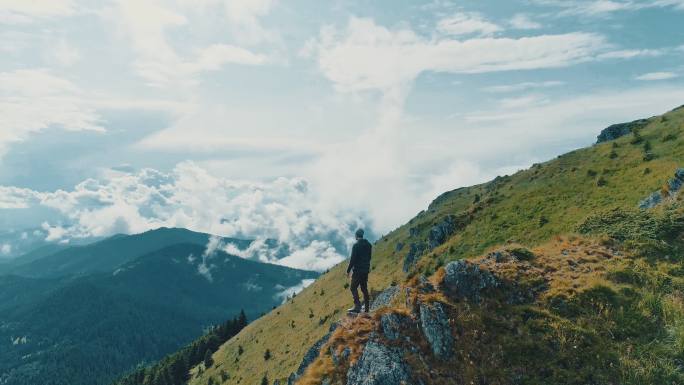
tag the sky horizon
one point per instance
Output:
(302, 120)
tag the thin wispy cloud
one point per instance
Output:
(651, 76)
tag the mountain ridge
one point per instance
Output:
(529, 208)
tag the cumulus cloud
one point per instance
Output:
(651, 76)
(284, 210)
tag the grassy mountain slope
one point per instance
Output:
(529, 208)
(91, 329)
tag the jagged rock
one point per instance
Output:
(415, 251)
(466, 280)
(651, 201)
(424, 286)
(399, 246)
(384, 298)
(379, 365)
(435, 325)
(441, 232)
(617, 130)
(314, 351)
(674, 185)
(392, 324)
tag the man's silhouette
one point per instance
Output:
(359, 266)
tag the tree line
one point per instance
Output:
(174, 369)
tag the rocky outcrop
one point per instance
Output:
(617, 130)
(392, 324)
(416, 250)
(674, 185)
(440, 232)
(311, 355)
(399, 246)
(434, 323)
(379, 365)
(465, 280)
(384, 298)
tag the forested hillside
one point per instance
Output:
(94, 325)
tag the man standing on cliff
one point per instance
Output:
(359, 267)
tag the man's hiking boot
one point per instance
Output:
(355, 309)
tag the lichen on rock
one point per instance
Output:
(379, 365)
(465, 280)
(434, 322)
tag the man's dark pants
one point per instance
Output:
(360, 279)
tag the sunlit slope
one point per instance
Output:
(529, 208)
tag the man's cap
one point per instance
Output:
(359, 233)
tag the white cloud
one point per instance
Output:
(631, 53)
(368, 56)
(657, 76)
(284, 210)
(36, 100)
(523, 21)
(523, 86)
(522, 101)
(21, 11)
(147, 23)
(6, 249)
(290, 291)
(467, 24)
(606, 7)
(65, 54)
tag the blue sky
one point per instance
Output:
(301, 120)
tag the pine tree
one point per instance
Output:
(264, 381)
(208, 361)
(242, 319)
(267, 355)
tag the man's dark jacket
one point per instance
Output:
(360, 257)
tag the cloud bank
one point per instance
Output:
(284, 210)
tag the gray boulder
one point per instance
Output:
(384, 298)
(617, 130)
(415, 251)
(674, 185)
(441, 232)
(467, 281)
(434, 323)
(379, 365)
(651, 201)
(393, 323)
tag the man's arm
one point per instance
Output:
(352, 260)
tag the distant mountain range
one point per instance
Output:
(87, 314)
